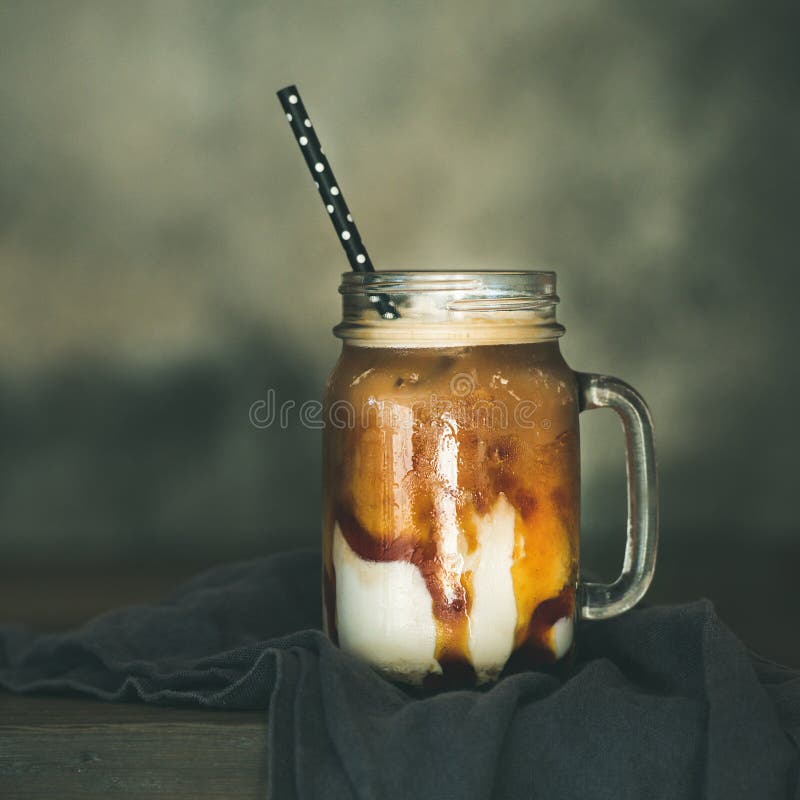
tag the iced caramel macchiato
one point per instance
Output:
(452, 480)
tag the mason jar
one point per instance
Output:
(451, 518)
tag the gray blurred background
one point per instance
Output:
(165, 260)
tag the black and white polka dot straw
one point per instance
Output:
(330, 192)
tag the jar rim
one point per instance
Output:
(453, 307)
(527, 282)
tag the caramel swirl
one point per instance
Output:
(439, 441)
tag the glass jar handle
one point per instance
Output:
(604, 600)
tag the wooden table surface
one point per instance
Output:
(57, 747)
(66, 747)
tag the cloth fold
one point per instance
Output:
(663, 702)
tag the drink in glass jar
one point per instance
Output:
(452, 480)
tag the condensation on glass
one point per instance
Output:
(452, 480)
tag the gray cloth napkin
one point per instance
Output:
(664, 702)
